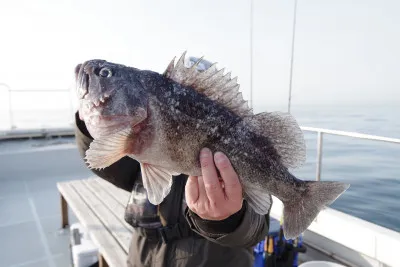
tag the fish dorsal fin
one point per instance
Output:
(211, 82)
(283, 131)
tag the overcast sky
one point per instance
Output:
(346, 52)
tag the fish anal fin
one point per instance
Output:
(257, 198)
(211, 82)
(157, 181)
(284, 133)
(105, 151)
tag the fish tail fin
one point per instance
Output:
(299, 212)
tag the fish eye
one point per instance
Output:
(105, 72)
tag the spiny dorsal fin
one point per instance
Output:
(211, 82)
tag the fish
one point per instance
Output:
(163, 120)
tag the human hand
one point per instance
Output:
(208, 196)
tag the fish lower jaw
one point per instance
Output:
(88, 108)
(99, 127)
(93, 104)
(93, 120)
(96, 101)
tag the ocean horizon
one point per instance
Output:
(371, 167)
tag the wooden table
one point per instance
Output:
(100, 208)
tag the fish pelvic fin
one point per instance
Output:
(157, 181)
(286, 136)
(257, 198)
(211, 82)
(303, 208)
(107, 150)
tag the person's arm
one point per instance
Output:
(122, 173)
(244, 229)
(219, 213)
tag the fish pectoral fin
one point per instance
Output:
(107, 150)
(259, 200)
(284, 133)
(157, 181)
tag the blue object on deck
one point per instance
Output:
(259, 253)
(285, 252)
(259, 257)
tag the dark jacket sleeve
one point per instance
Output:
(122, 173)
(243, 229)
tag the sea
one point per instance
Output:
(371, 167)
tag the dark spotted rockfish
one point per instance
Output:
(164, 120)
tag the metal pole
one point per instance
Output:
(319, 156)
(10, 109)
(12, 126)
(292, 54)
(251, 53)
(71, 106)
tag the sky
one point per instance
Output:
(346, 52)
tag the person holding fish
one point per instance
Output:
(200, 166)
(214, 228)
(204, 220)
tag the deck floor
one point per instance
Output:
(30, 234)
(30, 214)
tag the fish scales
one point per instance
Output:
(164, 120)
(182, 110)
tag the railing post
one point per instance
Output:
(319, 156)
(12, 126)
(71, 105)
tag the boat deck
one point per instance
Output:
(30, 203)
(30, 215)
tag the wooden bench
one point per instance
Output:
(100, 208)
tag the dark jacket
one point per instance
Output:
(210, 243)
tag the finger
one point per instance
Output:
(210, 177)
(192, 190)
(228, 175)
(202, 190)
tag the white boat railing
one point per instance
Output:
(320, 133)
(352, 241)
(11, 92)
(348, 239)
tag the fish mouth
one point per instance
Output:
(95, 103)
(82, 81)
(93, 98)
